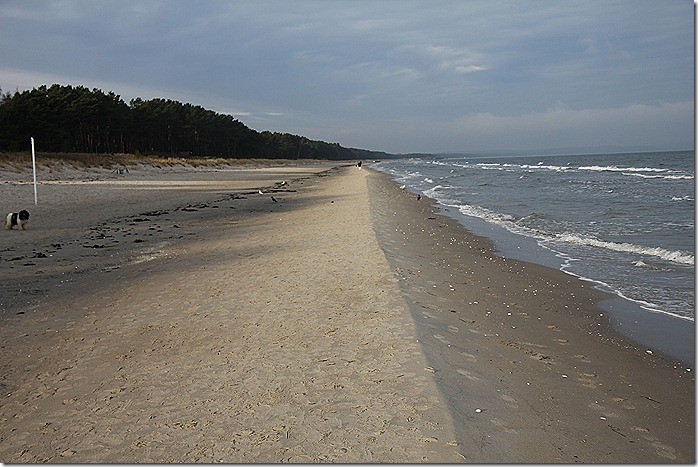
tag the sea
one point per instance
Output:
(625, 222)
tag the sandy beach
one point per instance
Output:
(180, 315)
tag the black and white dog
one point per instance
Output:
(17, 218)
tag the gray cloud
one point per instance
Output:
(396, 76)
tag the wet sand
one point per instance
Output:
(181, 316)
(530, 365)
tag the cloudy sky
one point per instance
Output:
(397, 76)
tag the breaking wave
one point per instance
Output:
(673, 256)
(517, 226)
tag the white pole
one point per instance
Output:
(36, 199)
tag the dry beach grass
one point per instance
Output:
(174, 314)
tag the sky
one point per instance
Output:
(398, 76)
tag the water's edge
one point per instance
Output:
(671, 335)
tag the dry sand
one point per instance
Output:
(253, 331)
(181, 316)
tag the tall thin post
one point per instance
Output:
(36, 197)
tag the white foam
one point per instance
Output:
(554, 168)
(483, 213)
(648, 306)
(665, 177)
(641, 264)
(509, 223)
(431, 192)
(614, 168)
(487, 166)
(673, 256)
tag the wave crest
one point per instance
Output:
(673, 256)
(615, 168)
(518, 226)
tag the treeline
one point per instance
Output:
(77, 119)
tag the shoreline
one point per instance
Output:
(658, 331)
(187, 318)
(655, 330)
(494, 327)
(643, 251)
(523, 248)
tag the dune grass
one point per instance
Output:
(19, 161)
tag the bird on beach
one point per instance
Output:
(419, 197)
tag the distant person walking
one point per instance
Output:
(358, 164)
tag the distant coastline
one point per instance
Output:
(570, 151)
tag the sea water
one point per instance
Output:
(623, 221)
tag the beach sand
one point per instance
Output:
(529, 347)
(177, 315)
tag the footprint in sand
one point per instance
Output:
(625, 403)
(469, 357)
(662, 450)
(588, 380)
(468, 374)
(511, 402)
(604, 410)
(542, 358)
(502, 424)
(442, 339)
